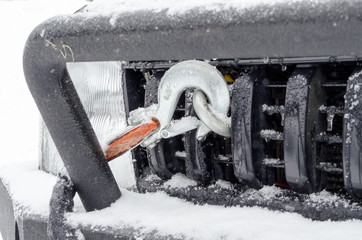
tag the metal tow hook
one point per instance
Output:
(211, 100)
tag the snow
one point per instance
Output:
(179, 181)
(267, 192)
(272, 161)
(184, 124)
(180, 7)
(268, 134)
(180, 154)
(177, 217)
(28, 198)
(151, 211)
(223, 184)
(173, 216)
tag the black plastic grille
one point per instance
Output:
(288, 126)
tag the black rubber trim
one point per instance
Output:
(247, 121)
(301, 112)
(352, 134)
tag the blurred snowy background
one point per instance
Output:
(19, 117)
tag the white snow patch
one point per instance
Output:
(224, 184)
(323, 196)
(223, 158)
(179, 181)
(271, 134)
(354, 104)
(29, 188)
(183, 123)
(107, 7)
(172, 216)
(354, 76)
(180, 154)
(357, 87)
(272, 161)
(266, 192)
(152, 177)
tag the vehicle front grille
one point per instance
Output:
(289, 128)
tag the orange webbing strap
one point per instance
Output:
(130, 139)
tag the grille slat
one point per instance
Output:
(289, 126)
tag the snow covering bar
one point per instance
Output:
(297, 132)
(352, 134)
(247, 120)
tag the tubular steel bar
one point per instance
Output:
(69, 126)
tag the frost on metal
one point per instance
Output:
(99, 86)
(183, 7)
(159, 13)
(273, 162)
(320, 206)
(270, 110)
(270, 134)
(352, 104)
(353, 130)
(183, 123)
(331, 111)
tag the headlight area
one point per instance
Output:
(99, 86)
